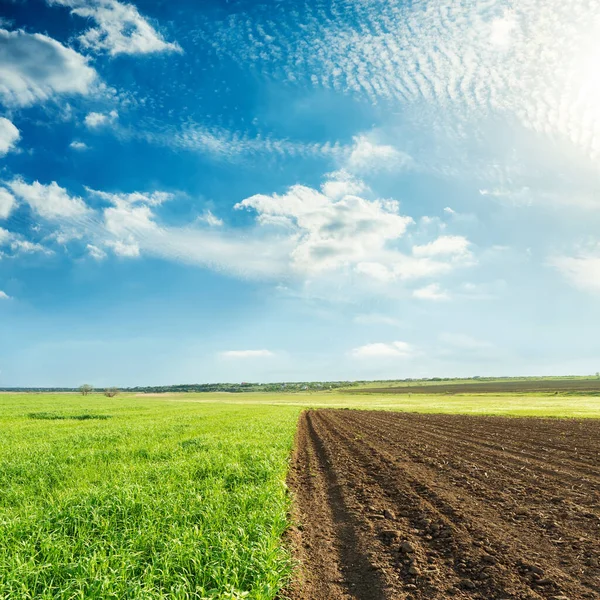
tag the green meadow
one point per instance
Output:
(135, 498)
(171, 496)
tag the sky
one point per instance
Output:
(250, 190)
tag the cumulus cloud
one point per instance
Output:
(49, 201)
(9, 136)
(384, 350)
(302, 235)
(95, 120)
(126, 249)
(246, 354)
(331, 234)
(35, 67)
(80, 146)
(341, 183)
(120, 29)
(433, 291)
(4, 296)
(445, 245)
(7, 203)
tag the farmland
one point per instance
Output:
(399, 505)
(184, 496)
(134, 498)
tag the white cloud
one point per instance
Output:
(231, 145)
(433, 291)
(582, 271)
(9, 136)
(330, 234)
(20, 246)
(449, 64)
(341, 183)
(120, 29)
(302, 235)
(95, 252)
(95, 120)
(155, 198)
(125, 249)
(449, 211)
(5, 236)
(384, 350)
(445, 245)
(7, 203)
(246, 354)
(210, 219)
(76, 145)
(35, 67)
(49, 201)
(369, 156)
(64, 236)
(502, 30)
(4, 296)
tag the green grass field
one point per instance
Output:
(160, 500)
(180, 496)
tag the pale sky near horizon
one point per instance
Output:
(267, 191)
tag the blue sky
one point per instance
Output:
(267, 191)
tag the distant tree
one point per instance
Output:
(111, 392)
(86, 389)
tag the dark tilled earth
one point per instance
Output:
(530, 386)
(406, 506)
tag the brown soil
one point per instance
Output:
(530, 386)
(406, 506)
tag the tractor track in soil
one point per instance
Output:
(409, 506)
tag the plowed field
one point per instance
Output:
(530, 386)
(408, 506)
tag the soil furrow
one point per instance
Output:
(390, 507)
